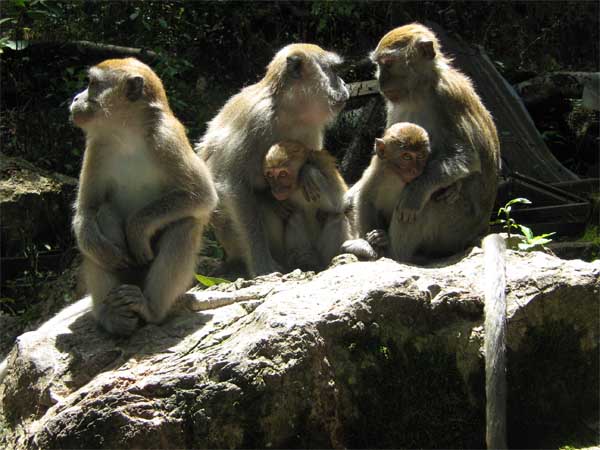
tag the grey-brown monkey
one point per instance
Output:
(144, 197)
(421, 86)
(299, 95)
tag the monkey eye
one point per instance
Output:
(421, 155)
(283, 174)
(269, 174)
(407, 156)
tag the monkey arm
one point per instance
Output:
(320, 171)
(178, 204)
(452, 164)
(242, 207)
(95, 245)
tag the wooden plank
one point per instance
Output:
(363, 88)
(522, 147)
(585, 186)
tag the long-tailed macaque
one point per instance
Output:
(299, 95)
(400, 156)
(307, 224)
(420, 86)
(494, 249)
(144, 197)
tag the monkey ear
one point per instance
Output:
(426, 49)
(380, 148)
(135, 88)
(294, 66)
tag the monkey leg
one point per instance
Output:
(334, 233)
(112, 225)
(225, 234)
(300, 251)
(359, 248)
(172, 271)
(114, 305)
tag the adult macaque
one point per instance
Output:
(299, 95)
(400, 156)
(420, 86)
(144, 197)
(311, 207)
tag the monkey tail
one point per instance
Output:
(494, 249)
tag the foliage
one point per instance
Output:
(530, 241)
(210, 281)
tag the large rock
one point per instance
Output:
(374, 354)
(36, 205)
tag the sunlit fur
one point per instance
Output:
(424, 88)
(144, 197)
(316, 226)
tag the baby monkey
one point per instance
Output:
(304, 215)
(399, 158)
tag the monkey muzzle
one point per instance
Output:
(281, 194)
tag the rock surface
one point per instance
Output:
(373, 354)
(36, 205)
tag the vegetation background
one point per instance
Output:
(207, 50)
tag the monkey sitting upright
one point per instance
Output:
(305, 217)
(421, 86)
(297, 98)
(144, 197)
(400, 157)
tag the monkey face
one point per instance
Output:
(108, 93)
(404, 59)
(404, 150)
(282, 181)
(409, 164)
(313, 90)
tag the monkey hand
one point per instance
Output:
(284, 210)
(138, 239)
(110, 256)
(378, 238)
(449, 195)
(310, 186)
(409, 205)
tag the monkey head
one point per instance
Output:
(305, 83)
(282, 166)
(118, 90)
(404, 149)
(406, 59)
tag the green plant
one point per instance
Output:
(210, 281)
(529, 240)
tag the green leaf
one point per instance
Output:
(519, 200)
(526, 232)
(162, 22)
(17, 45)
(210, 281)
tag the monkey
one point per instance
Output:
(315, 223)
(297, 98)
(421, 86)
(400, 156)
(494, 249)
(143, 200)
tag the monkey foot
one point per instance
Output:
(120, 312)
